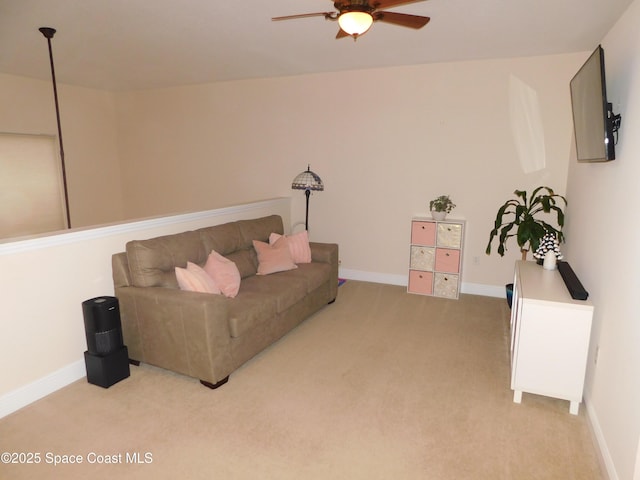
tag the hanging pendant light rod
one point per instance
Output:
(48, 33)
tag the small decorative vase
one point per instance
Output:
(549, 262)
(438, 215)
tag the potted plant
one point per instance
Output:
(440, 207)
(520, 218)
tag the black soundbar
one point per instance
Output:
(574, 286)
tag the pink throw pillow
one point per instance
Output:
(273, 258)
(224, 273)
(195, 279)
(298, 245)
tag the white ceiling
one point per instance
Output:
(139, 44)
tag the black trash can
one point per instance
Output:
(106, 358)
(509, 288)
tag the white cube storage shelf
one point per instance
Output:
(435, 264)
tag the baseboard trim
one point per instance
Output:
(401, 280)
(42, 387)
(601, 444)
(484, 290)
(388, 278)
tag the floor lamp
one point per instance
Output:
(48, 33)
(307, 181)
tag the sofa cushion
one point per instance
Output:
(311, 274)
(152, 262)
(246, 260)
(285, 289)
(224, 239)
(250, 309)
(259, 229)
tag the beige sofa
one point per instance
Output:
(204, 335)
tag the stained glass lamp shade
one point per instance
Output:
(307, 181)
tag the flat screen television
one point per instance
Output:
(594, 122)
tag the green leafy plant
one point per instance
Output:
(519, 218)
(441, 204)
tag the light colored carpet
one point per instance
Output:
(379, 385)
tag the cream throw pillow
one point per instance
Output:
(195, 279)
(273, 258)
(224, 273)
(298, 245)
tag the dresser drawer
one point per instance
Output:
(423, 233)
(447, 260)
(449, 235)
(445, 285)
(422, 258)
(420, 282)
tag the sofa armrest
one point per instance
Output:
(186, 332)
(120, 270)
(327, 253)
(324, 252)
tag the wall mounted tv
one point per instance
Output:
(594, 122)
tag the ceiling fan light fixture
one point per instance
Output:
(355, 23)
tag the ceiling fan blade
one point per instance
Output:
(378, 4)
(305, 15)
(341, 34)
(402, 19)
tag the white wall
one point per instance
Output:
(88, 119)
(603, 230)
(46, 279)
(384, 141)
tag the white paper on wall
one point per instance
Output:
(526, 125)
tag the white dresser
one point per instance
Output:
(550, 334)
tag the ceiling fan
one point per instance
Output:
(355, 17)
